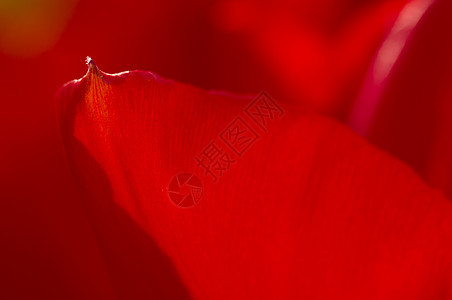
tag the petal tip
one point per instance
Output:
(92, 67)
(89, 61)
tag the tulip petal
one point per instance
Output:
(405, 104)
(309, 210)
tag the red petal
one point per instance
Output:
(405, 107)
(309, 211)
(319, 51)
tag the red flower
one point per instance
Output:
(299, 207)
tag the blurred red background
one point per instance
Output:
(317, 54)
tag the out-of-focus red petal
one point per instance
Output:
(405, 106)
(309, 211)
(319, 51)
